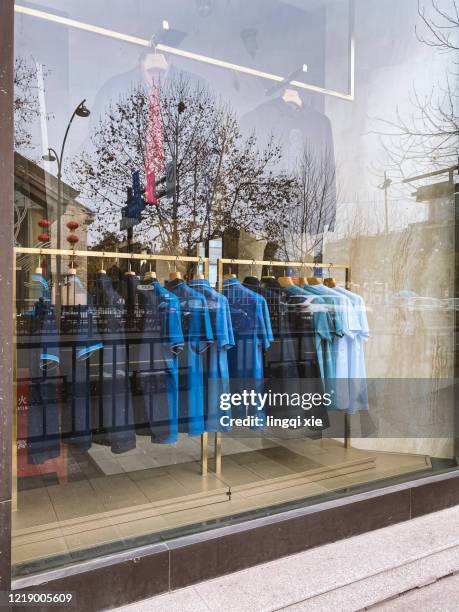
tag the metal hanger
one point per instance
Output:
(176, 274)
(230, 275)
(330, 281)
(199, 275)
(102, 269)
(285, 281)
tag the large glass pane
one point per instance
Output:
(235, 281)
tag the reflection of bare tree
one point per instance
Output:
(297, 225)
(362, 219)
(26, 109)
(428, 137)
(222, 179)
(26, 105)
(441, 29)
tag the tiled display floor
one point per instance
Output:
(153, 489)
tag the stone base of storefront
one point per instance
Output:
(140, 573)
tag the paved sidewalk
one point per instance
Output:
(349, 575)
(441, 596)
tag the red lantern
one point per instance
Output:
(43, 237)
(72, 238)
(44, 223)
(73, 225)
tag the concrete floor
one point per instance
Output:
(367, 571)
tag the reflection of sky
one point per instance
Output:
(271, 35)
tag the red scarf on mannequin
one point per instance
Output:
(154, 152)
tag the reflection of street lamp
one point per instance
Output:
(52, 156)
(385, 186)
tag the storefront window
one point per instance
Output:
(235, 281)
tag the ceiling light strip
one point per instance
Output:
(219, 63)
(352, 69)
(80, 25)
(143, 42)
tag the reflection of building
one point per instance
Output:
(406, 278)
(419, 262)
(35, 190)
(35, 198)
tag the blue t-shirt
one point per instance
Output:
(336, 322)
(162, 341)
(252, 335)
(217, 375)
(197, 332)
(322, 331)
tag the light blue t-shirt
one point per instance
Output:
(358, 393)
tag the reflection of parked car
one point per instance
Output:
(451, 303)
(306, 302)
(424, 303)
(418, 302)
